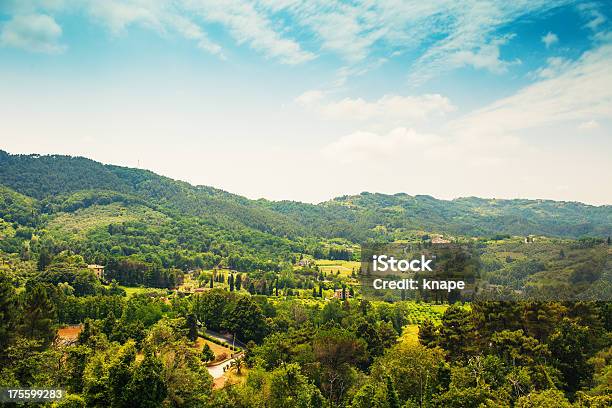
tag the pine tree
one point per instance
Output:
(192, 326)
(39, 315)
(230, 281)
(320, 291)
(207, 353)
(44, 259)
(238, 281)
(314, 292)
(428, 333)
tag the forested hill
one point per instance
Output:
(52, 184)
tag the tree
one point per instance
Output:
(370, 396)
(207, 354)
(457, 332)
(290, 388)
(76, 360)
(246, 320)
(516, 349)
(192, 326)
(230, 281)
(210, 307)
(392, 397)
(44, 259)
(417, 371)
(147, 387)
(237, 364)
(70, 401)
(544, 399)
(38, 315)
(337, 351)
(120, 374)
(428, 335)
(9, 312)
(238, 281)
(571, 348)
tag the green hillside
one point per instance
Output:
(64, 183)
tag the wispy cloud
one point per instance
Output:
(32, 32)
(577, 91)
(443, 35)
(388, 107)
(589, 125)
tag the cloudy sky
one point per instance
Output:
(307, 100)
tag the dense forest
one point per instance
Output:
(209, 299)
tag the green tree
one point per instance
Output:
(392, 397)
(428, 333)
(207, 354)
(457, 332)
(192, 326)
(120, 374)
(44, 259)
(237, 364)
(290, 388)
(246, 320)
(9, 312)
(38, 315)
(544, 399)
(417, 371)
(147, 387)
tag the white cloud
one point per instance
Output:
(589, 125)
(32, 32)
(248, 25)
(486, 57)
(443, 35)
(591, 13)
(407, 148)
(578, 91)
(550, 39)
(118, 15)
(194, 32)
(310, 97)
(368, 147)
(388, 107)
(554, 66)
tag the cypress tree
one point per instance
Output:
(238, 281)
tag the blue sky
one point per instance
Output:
(310, 100)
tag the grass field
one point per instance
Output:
(130, 290)
(216, 348)
(345, 267)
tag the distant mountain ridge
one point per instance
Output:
(54, 180)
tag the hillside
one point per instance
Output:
(64, 183)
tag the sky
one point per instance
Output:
(309, 100)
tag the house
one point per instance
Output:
(98, 270)
(304, 262)
(439, 240)
(338, 294)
